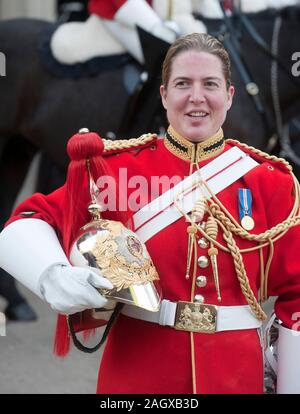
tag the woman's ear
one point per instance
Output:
(163, 94)
(230, 94)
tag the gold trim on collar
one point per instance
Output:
(194, 152)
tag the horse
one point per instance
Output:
(261, 38)
(42, 104)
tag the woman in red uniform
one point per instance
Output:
(230, 230)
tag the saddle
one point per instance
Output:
(138, 80)
(78, 42)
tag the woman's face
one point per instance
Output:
(196, 98)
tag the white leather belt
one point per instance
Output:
(196, 317)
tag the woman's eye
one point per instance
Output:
(181, 84)
(211, 84)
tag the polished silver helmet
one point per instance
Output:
(117, 253)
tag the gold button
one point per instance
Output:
(201, 281)
(199, 299)
(203, 262)
(203, 243)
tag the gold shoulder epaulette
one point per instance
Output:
(119, 145)
(263, 155)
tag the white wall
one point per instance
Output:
(41, 9)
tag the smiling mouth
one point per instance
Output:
(197, 114)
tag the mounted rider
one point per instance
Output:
(111, 28)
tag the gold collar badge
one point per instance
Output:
(194, 152)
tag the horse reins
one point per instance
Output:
(282, 131)
(228, 36)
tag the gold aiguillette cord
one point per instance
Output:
(212, 231)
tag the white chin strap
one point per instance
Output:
(27, 248)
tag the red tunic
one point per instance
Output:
(142, 357)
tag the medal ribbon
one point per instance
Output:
(245, 202)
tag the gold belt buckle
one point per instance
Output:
(196, 317)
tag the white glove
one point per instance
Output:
(70, 289)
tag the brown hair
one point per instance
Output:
(201, 42)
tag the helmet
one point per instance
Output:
(115, 252)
